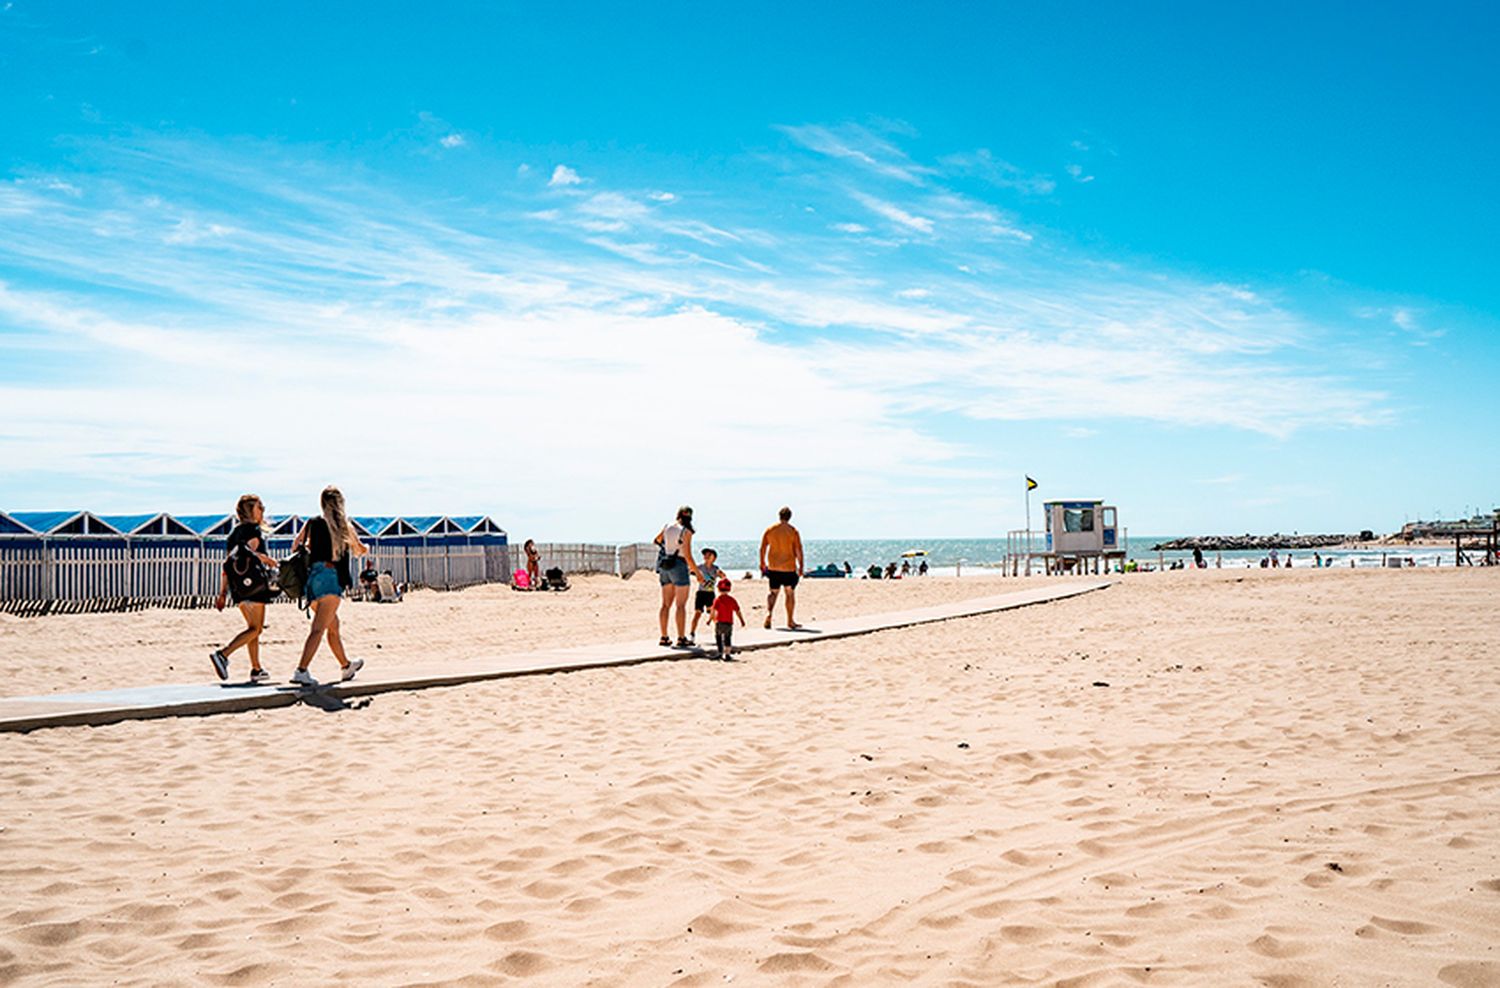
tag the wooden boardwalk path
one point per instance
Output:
(29, 713)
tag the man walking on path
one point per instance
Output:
(781, 562)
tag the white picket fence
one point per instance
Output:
(50, 575)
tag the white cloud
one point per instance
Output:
(850, 228)
(453, 141)
(664, 197)
(862, 147)
(571, 301)
(563, 176)
(895, 213)
(1077, 172)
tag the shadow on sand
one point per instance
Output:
(328, 703)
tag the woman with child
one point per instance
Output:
(674, 564)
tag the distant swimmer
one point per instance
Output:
(782, 563)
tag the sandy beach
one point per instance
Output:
(1286, 778)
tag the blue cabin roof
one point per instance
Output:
(375, 524)
(126, 523)
(65, 523)
(207, 524)
(9, 526)
(422, 523)
(159, 523)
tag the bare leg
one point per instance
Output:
(325, 610)
(335, 640)
(697, 613)
(682, 596)
(255, 620)
(668, 594)
(255, 617)
(791, 605)
(770, 605)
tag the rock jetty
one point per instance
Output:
(1258, 543)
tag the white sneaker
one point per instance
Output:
(354, 666)
(303, 678)
(221, 663)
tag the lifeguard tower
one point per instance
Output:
(1081, 536)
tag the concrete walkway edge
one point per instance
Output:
(20, 714)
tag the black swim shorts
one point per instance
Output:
(703, 600)
(779, 578)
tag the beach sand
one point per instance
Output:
(1291, 778)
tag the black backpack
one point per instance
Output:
(248, 578)
(292, 574)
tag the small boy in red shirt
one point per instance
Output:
(725, 608)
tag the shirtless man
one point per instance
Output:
(781, 562)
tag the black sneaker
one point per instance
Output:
(221, 663)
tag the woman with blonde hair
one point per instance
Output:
(330, 540)
(246, 577)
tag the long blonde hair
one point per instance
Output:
(340, 534)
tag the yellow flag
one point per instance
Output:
(1030, 484)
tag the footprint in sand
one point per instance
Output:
(1471, 974)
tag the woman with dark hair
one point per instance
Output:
(674, 563)
(245, 577)
(330, 540)
(533, 565)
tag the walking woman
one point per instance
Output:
(674, 563)
(246, 577)
(330, 540)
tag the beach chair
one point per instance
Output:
(386, 587)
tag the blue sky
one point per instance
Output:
(1230, 270)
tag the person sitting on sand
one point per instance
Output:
(725, 608)
(922, 569)
(251, 589)
(703, 600)
(329, 539)
(674, 563)
(782, 562)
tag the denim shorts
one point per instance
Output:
(323, 581)
(675, 574)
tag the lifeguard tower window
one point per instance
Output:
(1109, 517)
(1078, 519)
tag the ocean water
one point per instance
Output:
(980, 557)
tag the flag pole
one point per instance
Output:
(1028, 525)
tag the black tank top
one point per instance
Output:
(319, 544)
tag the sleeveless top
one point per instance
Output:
(320, 543)
(671, 539)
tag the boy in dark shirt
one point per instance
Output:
(725, 608)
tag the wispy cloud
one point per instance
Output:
(857, 144)
(894, 213)
(181, 257)
(452, 141)
(997, 172)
